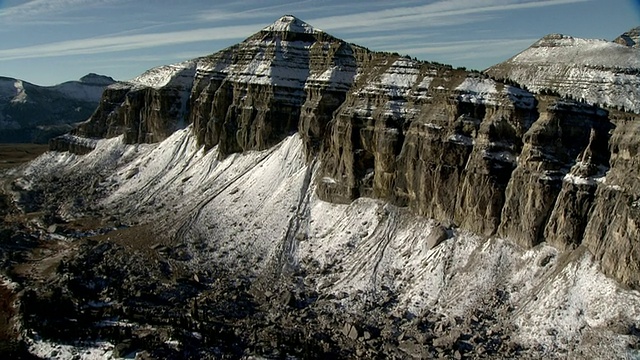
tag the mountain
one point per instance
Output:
(596, 71)
(32, 113)
(298, 195)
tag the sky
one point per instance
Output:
(47, 42)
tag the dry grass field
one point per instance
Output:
(15, 154)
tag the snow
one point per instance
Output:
(260, 208)
(598, 71)
(578, 180)
(573, 177)
(287, 68)
(397, 81)
(177, 75)
(21, 95)
(479, 90)
(88, 351)
(292, 24)
(461, 139)
(334, 78)
(504, 156)
(477, 85)
(564, 49)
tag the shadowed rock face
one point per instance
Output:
(451, 145)
(630, 38)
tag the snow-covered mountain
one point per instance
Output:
(297, 195)
(32, 113)
(596, 71)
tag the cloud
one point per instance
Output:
(255, 11)
(468, 47)
(124, 43)
(40, 7)
(437, 13)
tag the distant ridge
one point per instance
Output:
(33, 113)
(596, 71)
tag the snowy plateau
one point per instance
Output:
(296, 196)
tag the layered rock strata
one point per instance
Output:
(452, 145)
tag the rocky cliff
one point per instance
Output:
(32, 113)
(448, 144)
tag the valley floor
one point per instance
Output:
(12, 155)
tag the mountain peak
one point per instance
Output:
(96, 79)
(291, 24)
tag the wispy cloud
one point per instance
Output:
(467, 46)
(163, 58)
(124, 43)
(40, 7)
(438, 13)
(255, 11)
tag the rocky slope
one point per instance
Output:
(32, 113)
(198, 257)
(595, 71)
(306, 169)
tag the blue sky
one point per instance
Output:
(51, 41)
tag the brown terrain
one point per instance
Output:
(12, 155)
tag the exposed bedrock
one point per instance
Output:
(449, 144)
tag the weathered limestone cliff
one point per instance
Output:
(449, 144)
(148, 109)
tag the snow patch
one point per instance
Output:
(292, 24)
(178, 75)
(82, 351)
(21, 94)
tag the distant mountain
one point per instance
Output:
(596, 71)
(33, 113)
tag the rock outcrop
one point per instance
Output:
(630, 38)
(449, 144)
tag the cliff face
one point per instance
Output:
(148, 109)
(448, 144)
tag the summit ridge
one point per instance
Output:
(290, 23)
